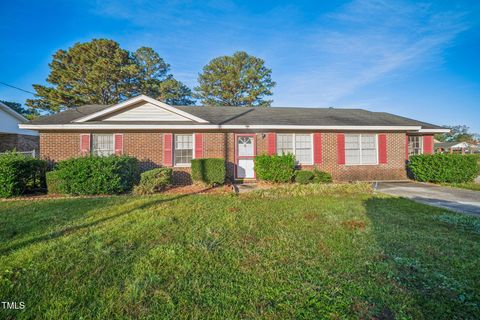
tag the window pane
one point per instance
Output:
(414, 145)
(303, 148)
(183, 149)
(284, 143)
(102, 144)
(352, 149)
(352, 156)
(369, 150)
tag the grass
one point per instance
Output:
(466, 185)
(299, 252)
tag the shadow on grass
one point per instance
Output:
(76, 228)
(27, 218)
(423, 255)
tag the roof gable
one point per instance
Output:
(141, 108)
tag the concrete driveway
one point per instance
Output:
(460, 200)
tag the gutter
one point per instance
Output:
(214, 127)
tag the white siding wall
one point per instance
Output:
(9, 124)
(147, 112)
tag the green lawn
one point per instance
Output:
(465, 185)
(302, 252)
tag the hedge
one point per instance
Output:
(475, 156)
(315, 176)
(54, 183)
(98, 175)
(211, 171)
(321, 177)
(442, 168)
(304, 176)
(153, 181)
(20, 174)
(275, 168)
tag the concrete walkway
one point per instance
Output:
(244, 187)
(460, 200)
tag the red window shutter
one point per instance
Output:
(118, 140)
(382, 148)
(317, 148)
(167, 149)
(406, 147)
(198, 145)
(85, 144)
(428, 144)
(272, 143)
(340, 148)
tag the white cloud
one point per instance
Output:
(366, 41)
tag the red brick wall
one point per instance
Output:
(394, 169)
(147, 147)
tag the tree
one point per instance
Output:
(101, 72)
(457, 134)
(155, 81)
(174, 92)
(28, 113)
(238, 80)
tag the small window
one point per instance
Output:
(415, 145)
(102, 144)
(183, 152)
(361, 149)
(299, 145)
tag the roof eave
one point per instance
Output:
(434, 130)
(86, 126)
(12, 112)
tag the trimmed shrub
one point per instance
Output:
(475, 156)
(155, 180)
(321, 177)
(20, 174)
(443, 168)
(275, 168)
(98, 175)
(54, 183)
(304, 176)
(211, 171)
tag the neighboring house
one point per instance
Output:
(351, 144)
(455, 147)
(11, 136)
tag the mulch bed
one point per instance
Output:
(199, 189)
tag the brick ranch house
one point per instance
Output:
(351, 144)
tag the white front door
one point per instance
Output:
(245, 153)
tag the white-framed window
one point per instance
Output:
(361, 149)
(183, 149)
(415, 145)
(102, 144)
(298, 144)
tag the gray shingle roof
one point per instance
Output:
(69, 115)
(260, 116)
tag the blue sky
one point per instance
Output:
(420, 60)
